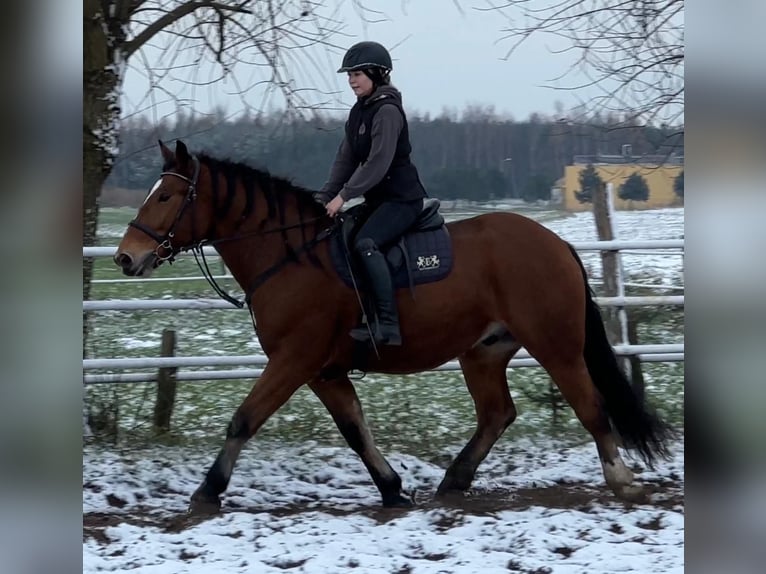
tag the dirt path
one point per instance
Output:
(580, 497)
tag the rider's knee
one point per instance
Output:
(365, 246)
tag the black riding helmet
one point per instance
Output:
(366, 55)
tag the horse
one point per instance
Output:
(512, 283)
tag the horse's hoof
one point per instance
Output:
(204, 505)
(631, 493)
(450, 496)
(398, 501)
(452, 488)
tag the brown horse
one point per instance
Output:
(513, 283)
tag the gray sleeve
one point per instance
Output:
(386, 127)
(342, 169)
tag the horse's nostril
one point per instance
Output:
(123, 260)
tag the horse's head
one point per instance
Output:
(172, 217)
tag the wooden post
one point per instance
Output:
(609, 262)
(166, 385)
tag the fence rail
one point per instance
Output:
(261, 360)
(208, 376)
(148, 304)
(646, 353)
(615, 245)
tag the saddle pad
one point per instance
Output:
(429, 254)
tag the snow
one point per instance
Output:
(663, 266)
(149, 342)
(314, 509)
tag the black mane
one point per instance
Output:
(274, 188)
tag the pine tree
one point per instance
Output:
(590, 181)
(635, 188)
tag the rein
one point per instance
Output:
(264, 276)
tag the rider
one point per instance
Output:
(373, 161)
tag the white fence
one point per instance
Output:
(647, 353)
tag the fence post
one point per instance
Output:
(609, 262)
(166, 385)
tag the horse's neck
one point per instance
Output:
(262, 247)
(251, 247)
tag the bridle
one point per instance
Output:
(164, 242)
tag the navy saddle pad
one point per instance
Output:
(425, 255)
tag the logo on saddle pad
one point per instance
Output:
(428, 262)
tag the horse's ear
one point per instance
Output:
(167, 154)
(182, 154)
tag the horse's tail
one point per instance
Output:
(639, 427)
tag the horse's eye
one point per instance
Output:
(164, 197)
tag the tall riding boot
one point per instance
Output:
(386, 330)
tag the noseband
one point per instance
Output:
(164, 242)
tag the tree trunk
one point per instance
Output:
(102, 77)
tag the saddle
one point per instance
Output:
(422, 255)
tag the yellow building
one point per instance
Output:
(659, 172)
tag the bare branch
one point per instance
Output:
(173, 16)
(631, 50)
(272, 44)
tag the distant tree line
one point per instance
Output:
(476, 155)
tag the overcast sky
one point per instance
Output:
(442, 58)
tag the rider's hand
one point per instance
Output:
(334, 206)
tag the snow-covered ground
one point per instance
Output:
(534, 508)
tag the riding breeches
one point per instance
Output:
(387, 222)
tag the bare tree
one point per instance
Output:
(631, 52)
(174, 43)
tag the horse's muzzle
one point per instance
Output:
(133, 268)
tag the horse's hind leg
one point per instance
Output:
(574, 381)
(340, 398)
(484, 369)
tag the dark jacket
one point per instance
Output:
(374, 158)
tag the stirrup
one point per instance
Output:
(360, 333)
(388, 334)
(395, 340)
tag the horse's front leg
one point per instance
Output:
(280, 379)
(340, 398)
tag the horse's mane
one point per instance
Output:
(274, 188)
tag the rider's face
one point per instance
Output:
(360, 83)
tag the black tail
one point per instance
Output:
(639, 427)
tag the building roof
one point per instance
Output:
(654, 159)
